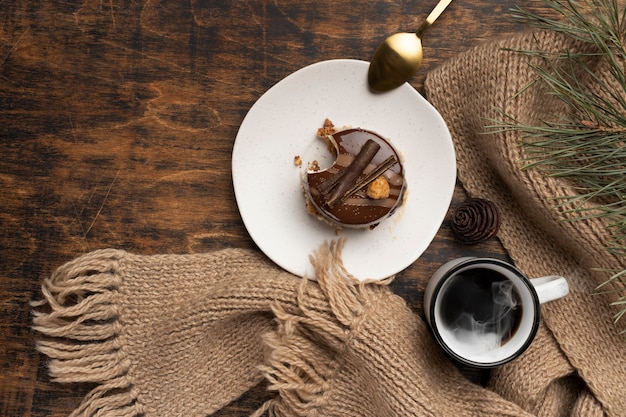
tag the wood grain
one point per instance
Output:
(117, 121)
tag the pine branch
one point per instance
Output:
(588, 147)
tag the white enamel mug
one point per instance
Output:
(484, 312)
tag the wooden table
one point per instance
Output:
(117, 122)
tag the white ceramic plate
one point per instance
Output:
(283, 124)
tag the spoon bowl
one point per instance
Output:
(395, 61)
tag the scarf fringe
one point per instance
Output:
(304, 345)
(79, 319)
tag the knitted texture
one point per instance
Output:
(187, 334)
(576, 365)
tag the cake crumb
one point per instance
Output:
(314, 166)
(327, 129)
(311, 209)
(297, 160)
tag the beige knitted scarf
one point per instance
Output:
(184, 335)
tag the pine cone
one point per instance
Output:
(475, 221)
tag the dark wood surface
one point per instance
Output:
(117, 121)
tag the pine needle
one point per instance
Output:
(588, 148)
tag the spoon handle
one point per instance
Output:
(439, 8)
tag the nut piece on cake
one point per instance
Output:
(378, 189)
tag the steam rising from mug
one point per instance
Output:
(482, 313)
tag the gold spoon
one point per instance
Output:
(398, 57)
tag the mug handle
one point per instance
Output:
(550, 288)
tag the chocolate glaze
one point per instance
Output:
(358, 210)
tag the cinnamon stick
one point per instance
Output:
(353, 171)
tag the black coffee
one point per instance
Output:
(479, 302)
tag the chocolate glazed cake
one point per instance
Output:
(364, 185)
